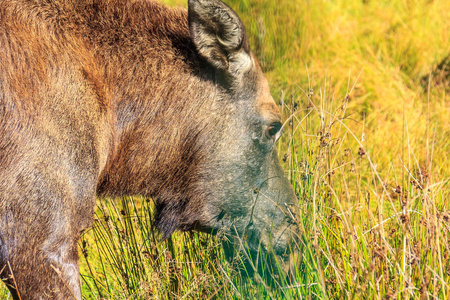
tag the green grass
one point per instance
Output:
(366, 146)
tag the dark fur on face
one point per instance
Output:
(111, 98)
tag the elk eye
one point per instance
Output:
(273, 129)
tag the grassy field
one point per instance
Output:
(366, 146)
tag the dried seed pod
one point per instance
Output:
(361, 152)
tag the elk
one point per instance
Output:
(111, 98)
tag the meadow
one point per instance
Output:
(364, 87)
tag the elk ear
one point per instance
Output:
(219, 36)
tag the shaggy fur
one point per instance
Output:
(110, 98)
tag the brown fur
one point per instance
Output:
(113, 98)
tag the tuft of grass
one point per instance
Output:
(124, 257)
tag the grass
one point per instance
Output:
(366, 148)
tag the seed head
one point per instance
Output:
(361, 152)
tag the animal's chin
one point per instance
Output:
(250, 255)
(251, 248)
(272, 267)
